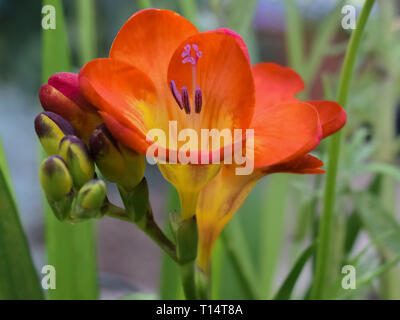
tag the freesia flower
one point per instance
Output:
(286, 130)
(62, 96)
(161, 69)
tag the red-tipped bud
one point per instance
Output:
(62, 96)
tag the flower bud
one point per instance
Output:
(117, 163)
(89, 200)
(80, 164)
(51, 128)
(55, 178)
(62, 96)
(57, 185)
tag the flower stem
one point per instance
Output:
(188, 280)
(324, 232)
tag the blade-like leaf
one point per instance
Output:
(287, 286)
(18, 278)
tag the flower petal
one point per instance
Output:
(133, 139)
(285, 132)
(148, 40)
(275, 84)
(331, 114)
(69, 104)
(121, 91)
(68, 84)
(224, 77)
(218, 202)
(307, 164)
(238, 38)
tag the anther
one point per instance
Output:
(198, 100)
(185, 100)
(176, 94)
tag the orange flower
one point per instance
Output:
(285, 130)
(161, 69)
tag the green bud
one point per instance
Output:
(57, 185)
(186, 236)
(117, 163)
(51, 128)
(55, 178)
(75, 153)
(89, 200)
(136, 200)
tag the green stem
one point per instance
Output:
(188, 280)
(324, 232)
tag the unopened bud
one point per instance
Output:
(55, 178)
(62, 95)
(57, 185)
(117, 163)
(75, 153)
(51, 128)
(89, 200)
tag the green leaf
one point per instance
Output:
(321, 44)
(18, 278)
(383, 168)
(382, 225)
(71, 249)
(236, 247)
(287, 286)
(295, 36)
(271, 229)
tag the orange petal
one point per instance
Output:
(148, 40)
(285, 132)
(131, 138)
(307, 164)
(274, 84)
(331, 114)
(238, 38)
(122, 91)
(224, 77)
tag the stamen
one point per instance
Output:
(198, 100)
(185, 100)
(189, 59)
(187, 56)
(186, 51)
(197, 52)
(176, 94)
